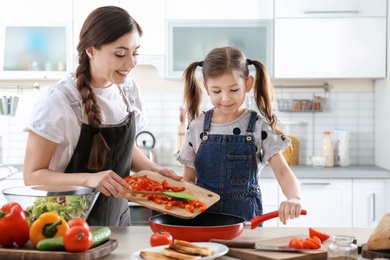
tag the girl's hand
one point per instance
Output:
(109, 183)
(170, 173)
(289, 209)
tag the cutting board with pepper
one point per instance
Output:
(254, 254)
(29, 252)
(203, 195)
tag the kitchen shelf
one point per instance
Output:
(316, 104)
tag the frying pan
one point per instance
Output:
(207, 226)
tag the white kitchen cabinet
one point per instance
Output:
(328, 203)
(329, 8)
(35, 11)
(219, 9)
(37, 43)
(190, 41)
(81, 9)
(270, 197)
(330, 39)
(369, 201)
(150, 15)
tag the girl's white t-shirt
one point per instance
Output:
(54, 118)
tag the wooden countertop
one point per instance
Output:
(132, 239)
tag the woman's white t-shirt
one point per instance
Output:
(56, 115)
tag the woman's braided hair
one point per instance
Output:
(103, 25)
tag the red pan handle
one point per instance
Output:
(255, 222)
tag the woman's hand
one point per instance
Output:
(109, 183)
(289, 209)
(170, 173)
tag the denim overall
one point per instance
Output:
(107, 210)
(226, 165)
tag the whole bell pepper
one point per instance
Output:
(48, 225)
(14, 226)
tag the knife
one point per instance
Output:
(258, 246)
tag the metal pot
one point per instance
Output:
(207, 226)
(147, 149)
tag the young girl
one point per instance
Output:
(226, 147)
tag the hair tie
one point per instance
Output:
(201, 64)
(249, 62)
(95, 130)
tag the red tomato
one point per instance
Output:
(308, 243)
(161, 238)
(317, 240)
(78, 222)
(321, 235)
(77, 239)
(295, 243)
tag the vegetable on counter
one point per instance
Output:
(321, 235)
(67, 207)
(48, 225)
(161, 238)
(14, 226)
(78, 238)
(99, 237)
(314, 241)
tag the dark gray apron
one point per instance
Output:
(107, 211)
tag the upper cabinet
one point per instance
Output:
(195, 28)
(81, 9)
(330, 39)
(37, 44)
(219, 9)
(190, 41)
(150, 15)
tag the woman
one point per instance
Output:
(85, 124)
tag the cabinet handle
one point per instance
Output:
(316, 183)
(373, 207)
(332, 12)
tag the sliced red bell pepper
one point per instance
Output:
(14, 226)
(166, 187)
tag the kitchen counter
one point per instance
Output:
(302, 171)
(350, 172)
(308, 171)
(132, 239)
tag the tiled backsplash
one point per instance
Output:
(353, 111)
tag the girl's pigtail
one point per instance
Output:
(192, 91)
(264, 95)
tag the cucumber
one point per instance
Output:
(51, 244)
(99, 236)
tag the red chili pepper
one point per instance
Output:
(14, 226)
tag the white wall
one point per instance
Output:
(350, 105)
(382, 118)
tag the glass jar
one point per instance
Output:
(343, 248)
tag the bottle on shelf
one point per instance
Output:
(327, 149)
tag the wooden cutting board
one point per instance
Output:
(253, 254)
(29, 252)
(206, 196)
(372, 254)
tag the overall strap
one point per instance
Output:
(252, 121)
(207, 120)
